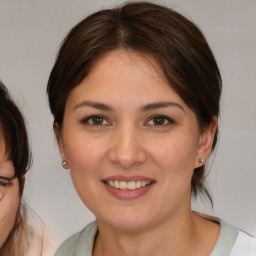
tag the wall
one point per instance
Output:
(30, 33)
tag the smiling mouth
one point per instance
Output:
(130, 185)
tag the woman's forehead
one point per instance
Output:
(128, 57)
(4, 150)
(6, 165)
(121, 70)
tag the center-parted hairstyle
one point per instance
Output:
(174, 42)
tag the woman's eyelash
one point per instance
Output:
(4, 181)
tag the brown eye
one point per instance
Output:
(97, 120)
(159, 120)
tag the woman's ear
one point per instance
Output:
(58, 134)
(205, 142)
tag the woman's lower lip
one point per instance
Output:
(128, 194)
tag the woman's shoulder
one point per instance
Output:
(41, 241)
(81, 242)
(231, 240)
(234, 242)
(245, 243)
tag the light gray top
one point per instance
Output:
(226, 240)
(230, 242)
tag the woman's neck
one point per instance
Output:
(186, 235)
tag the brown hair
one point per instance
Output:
(17, 149)
(177, 45)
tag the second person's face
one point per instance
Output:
(131, 143)
(9, 194)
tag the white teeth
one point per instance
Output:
(131, 185)
(138, 184)
(123, 185)
(116, 184)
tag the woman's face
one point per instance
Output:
(9, 194)
(131, 143)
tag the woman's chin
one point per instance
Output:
(125, 223)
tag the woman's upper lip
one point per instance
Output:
(128, 178)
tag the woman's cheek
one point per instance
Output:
(9, 205)
(1, 194)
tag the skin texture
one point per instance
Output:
(129, 140)
(9, 195)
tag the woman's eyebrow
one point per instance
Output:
(162, 104)
(147, 107)
(93, 104)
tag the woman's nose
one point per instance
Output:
(127, 148)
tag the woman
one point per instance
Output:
(135, 96)
(16, 236)
(14, 163)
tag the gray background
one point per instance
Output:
(30, 34)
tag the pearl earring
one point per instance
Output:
(201, 160)
(64, 164)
